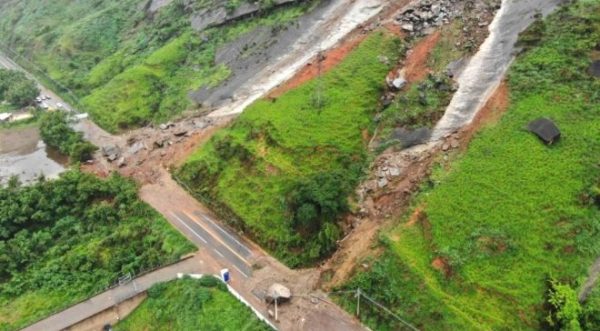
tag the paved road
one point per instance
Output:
(54, 102)
(220, 243)
(106, 300)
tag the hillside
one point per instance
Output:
(130, 63)
(63, 241)
(297, 155)
(512, 222)
(190, 304)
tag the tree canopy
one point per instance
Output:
(16, 88)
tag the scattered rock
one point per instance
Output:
(166, 126)
(161, 142)
(136, 147)
(111, 152)
(394, 172)
(121, 162)
(382, 182)
(180, 133)
(399, 83)
(445, 147)
(454, 143)
(408, 27)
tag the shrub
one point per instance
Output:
(57, 133)
(564, 307)
(16, 88)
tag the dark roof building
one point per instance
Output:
(595, 69)
(545, 129)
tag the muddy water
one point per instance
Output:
(24, 154)
(487, 68)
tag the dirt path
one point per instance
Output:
(415, 67)
(591, 281)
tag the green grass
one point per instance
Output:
(189, 304)
(512, 211)
(247, 171)
(66, 240)
(127, 67)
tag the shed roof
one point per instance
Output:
(595, 69)
(545, 129)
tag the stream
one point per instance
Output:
(487, 68)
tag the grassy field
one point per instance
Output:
(511, 213)
(65, 240)
(128, 67)
(189, 304)
(314, 133)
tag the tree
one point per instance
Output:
(16, 88)
(316, 204)
(57, 133)
(565, 309)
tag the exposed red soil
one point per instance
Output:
(395, 29)
(440, 264)
(416, 216)
(416, 62)
(320, 65)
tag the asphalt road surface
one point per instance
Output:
(220, 243)
(54, 101)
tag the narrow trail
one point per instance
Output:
(591, 281)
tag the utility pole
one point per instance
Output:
(276, 313)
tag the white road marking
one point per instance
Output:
(238, 269)
(217, 251)
(189, 228)
(225, 232)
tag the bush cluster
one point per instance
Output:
(17, 89)
(57, 133)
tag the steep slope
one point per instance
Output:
(511, 213)
(128, 64)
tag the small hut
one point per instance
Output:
(595, 69)
(545, 129)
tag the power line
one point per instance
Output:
(358, 293)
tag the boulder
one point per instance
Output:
(409, 27)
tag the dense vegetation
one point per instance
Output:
(190, 304)
(506, 234)
(129, 66)
(64, 240)
(284, 170)
(56, 132)
(16, 89)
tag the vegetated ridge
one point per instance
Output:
(62, 241)
(284, 169)
(128, 65)
(191, 304)
(503, 237)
